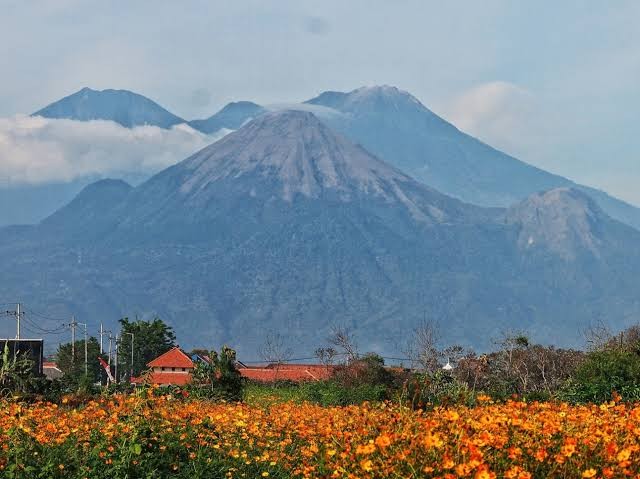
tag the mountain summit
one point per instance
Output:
(396, 127)
(286, 154)
(121, 106)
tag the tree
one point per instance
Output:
(74, 369)
(326, 356)
(422, 348)
(275, 351)
(150, 340)
(604, 373)
(343, 339)
(217, 378)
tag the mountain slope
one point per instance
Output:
(395, 126)
(121, 106)
(285, 225)
(231, 117)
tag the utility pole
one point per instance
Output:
(110, 348)
(116, 360)
(73, 339)
(86, 349)
(101, 333)
(18, 313)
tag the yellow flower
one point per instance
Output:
(624, 455)
(366, 465)
(589, 473)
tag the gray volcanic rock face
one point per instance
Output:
(282, 157)
(231, 117)
(285, 225)
(396, 127)
(121, 106)
(560, 220)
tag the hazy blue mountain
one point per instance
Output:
(122, 106)
(231, 117)
(286, 225)
(29, 204)
(394, 125)
(25, 203)
(89, 214)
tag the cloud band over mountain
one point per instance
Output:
(36, 150)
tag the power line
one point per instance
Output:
(43, 316)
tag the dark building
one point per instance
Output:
(31, 348)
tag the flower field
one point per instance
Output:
(137, 437)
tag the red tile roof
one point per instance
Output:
(174, 358)
(288, 372)
(176, 379)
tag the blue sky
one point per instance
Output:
(553, 83)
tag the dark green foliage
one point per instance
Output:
(361, 379)
(74, 369)
(16, 373)
(603, 373)
(217, 378)
(332, 393)
(150, 340)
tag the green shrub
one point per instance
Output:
(217, 379)
(602, 374)
(423, 390)
(332, 393)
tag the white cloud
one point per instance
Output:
(39, 150)
(499, 113)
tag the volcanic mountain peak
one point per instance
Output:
(125, 107)
(297, 149)
(369, 98)
(560, 219)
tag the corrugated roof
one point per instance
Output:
(174, 358)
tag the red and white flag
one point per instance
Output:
(106, 367)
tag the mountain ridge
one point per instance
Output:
(397, 127)
(232, 255)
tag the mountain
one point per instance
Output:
(32, 203)
(285, 225)
(121, 106)
(88, 215)
(231, 117)
(394, 125)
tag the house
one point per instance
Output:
(51, 370)
(175, 367)
(171, 368)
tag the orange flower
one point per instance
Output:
(382, 441)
